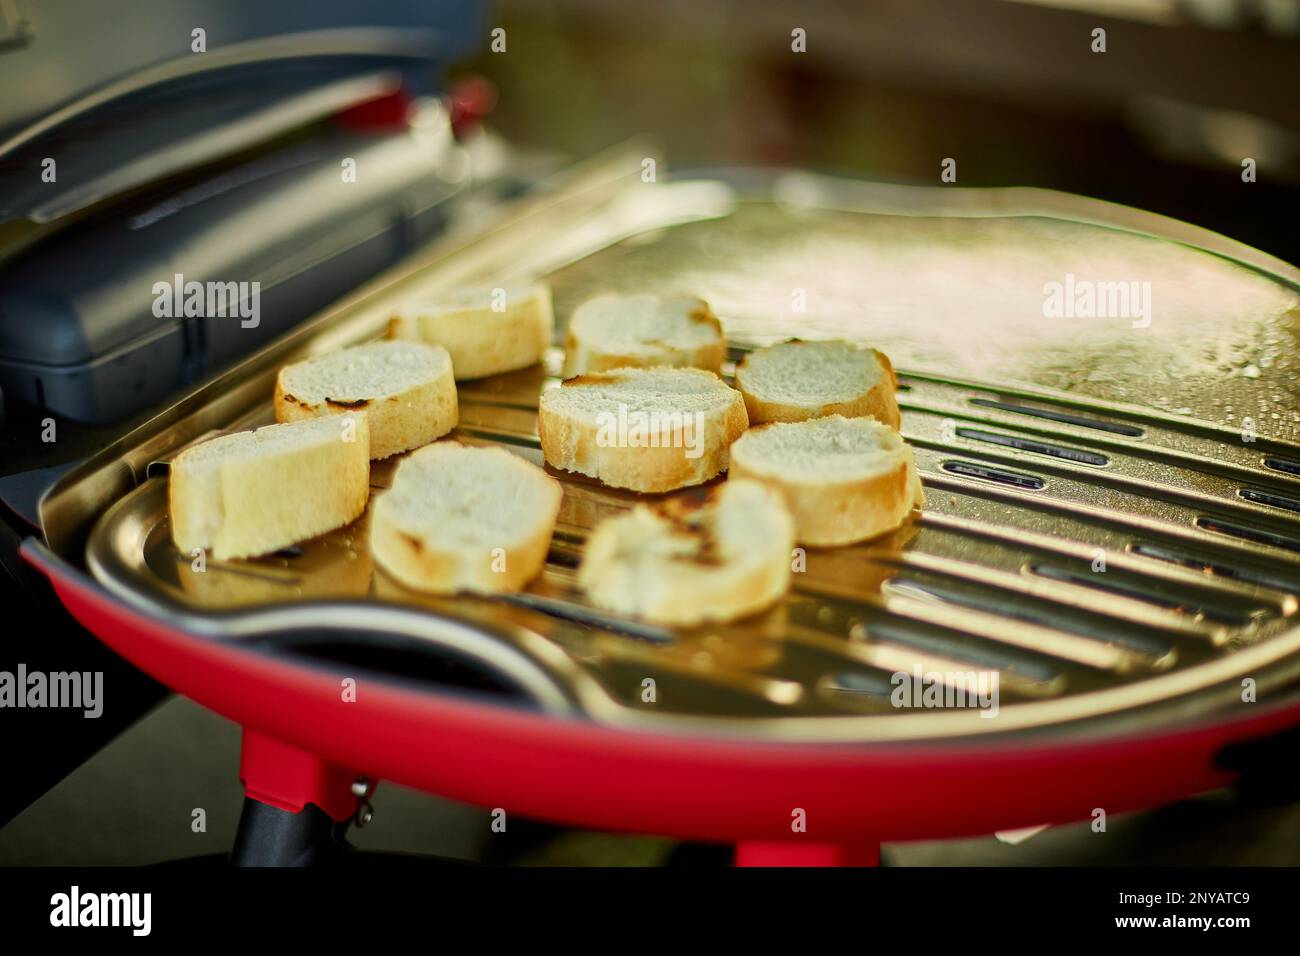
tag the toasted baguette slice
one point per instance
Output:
(251, 493)
(844, 479)
(487, 331)
(465, 519)
(639, 331)
(795, 381)
(405, 390)
(685, 562)
(648, 429)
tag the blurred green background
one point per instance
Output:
(887, 89)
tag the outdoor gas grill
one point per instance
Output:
(1112, 526)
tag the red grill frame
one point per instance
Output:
(304, 744)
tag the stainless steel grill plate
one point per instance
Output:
(1102, 528)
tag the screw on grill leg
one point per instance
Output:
(361, 789)
(365, 813)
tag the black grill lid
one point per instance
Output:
(75, 63)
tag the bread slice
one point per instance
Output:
(648, 429)
(795, 381)
(639, 331)
(464, 519)
(405, 389)
(251, 493)
(686, 562)
(487, 331)
(844, 479)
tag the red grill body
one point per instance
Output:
(304, 744)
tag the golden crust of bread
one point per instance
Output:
(572, 443)
(830, 510)
(878, 402)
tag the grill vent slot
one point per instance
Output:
(1216, 568)
(956, 647)
(987, 600)
(971, 470)
(1037, 447)
(1255, 496)
(1283, 465)
(1111, 583)
(1067, 418)
(1247, 533)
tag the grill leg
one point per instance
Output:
(297, 807)
(789, 853)
(269, 836)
